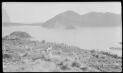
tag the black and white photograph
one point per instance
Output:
(61, 37)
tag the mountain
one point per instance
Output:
(71, 19)
(19, 24)
(5, 16)
(67, 19)
(7, 22)
(98, 19)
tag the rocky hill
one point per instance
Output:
(17, 35)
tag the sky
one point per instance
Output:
(36, 12)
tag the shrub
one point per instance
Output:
(64, 67)
(43, 41)
(55, 70)
(92, 51)
(6, 56)
(75, 64)
(84, 68)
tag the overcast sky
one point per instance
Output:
(34, 12)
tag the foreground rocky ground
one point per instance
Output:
(20, 54)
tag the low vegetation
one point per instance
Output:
(21, 55)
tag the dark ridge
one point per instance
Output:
(17, 35)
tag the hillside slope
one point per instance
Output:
(41, 56)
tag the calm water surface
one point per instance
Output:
(86, 38)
